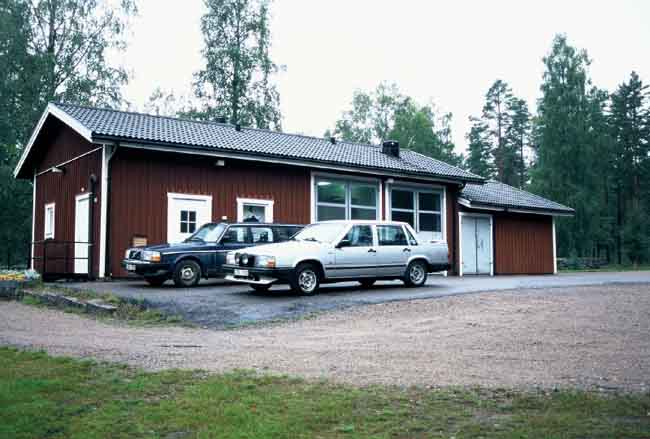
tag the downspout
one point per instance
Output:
(92, 182)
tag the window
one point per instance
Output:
(359, 236)
(284, 233)
(391, 235)
(344, 199)
(188, 221)
(50, 220)
(422, 209)
(261, 235)
(251, 210)
(235, 235)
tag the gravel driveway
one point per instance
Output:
(214, 304)
(580, 336)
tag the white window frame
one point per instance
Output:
(267, 204)
(346, 180)
(49, 234)
(172, 220)
(417, 188)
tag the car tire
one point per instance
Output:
(260, 288)
(187, 273)
(416, 274)
(305, 280)
(155, 281)
(367, 283)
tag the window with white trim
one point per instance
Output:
(252, 210)
(422, 209)
(50, 220)
(338, 199)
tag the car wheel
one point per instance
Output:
(416, 274)
(306, 279)
(187, 273)
(367, 283)
(155, 281)
(261, 288)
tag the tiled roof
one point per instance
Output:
(494, 193)
(144, 128)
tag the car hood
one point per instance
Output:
(284, 248)
(178, 247)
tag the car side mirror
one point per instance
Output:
(343, 243)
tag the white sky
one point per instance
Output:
(449, 52)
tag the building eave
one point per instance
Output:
(512, 209)
(64, 117)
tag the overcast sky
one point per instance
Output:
(446, 52)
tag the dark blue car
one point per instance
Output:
(202, 254)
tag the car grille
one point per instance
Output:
(135, 254)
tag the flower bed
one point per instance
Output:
(12, 280)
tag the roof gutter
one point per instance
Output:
(268, 158)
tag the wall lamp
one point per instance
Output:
(56, 170)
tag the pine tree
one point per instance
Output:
(571, 142)
(479, 159)
(629, 122)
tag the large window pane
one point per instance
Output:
(363, 214)
(429, 201)
(401, 199)
(325, 213)
(429, 222)
(331, 192)
(362, 195)
(406, 217)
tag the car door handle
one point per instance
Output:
(372, 250)
(407, 250)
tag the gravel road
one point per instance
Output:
(587, 337)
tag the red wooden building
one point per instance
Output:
(105, 180)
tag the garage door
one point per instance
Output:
(476, 245)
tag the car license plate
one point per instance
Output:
(130, 267)
(241, 273)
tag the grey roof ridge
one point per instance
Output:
(207, 122)
(538, 197)
(483, 180)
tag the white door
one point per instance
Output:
(185, 214)
(476, 245)
(81, 218)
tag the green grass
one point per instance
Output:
(607, 268)
(42, 396)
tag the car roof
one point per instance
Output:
(375, 222)
(257, 224)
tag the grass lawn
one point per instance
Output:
(42, 396)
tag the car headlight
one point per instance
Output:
(265, 261)
(151, 256)
(230, 258)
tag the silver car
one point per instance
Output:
(337, 251)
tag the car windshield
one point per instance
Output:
(323, 232)
(207, 233)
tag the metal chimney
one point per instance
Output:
(391, 148)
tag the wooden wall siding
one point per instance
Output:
(523, 244)
(62, 189)
(140, 181)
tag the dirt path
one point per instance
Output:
(584, 337)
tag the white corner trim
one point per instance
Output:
(103, 212)
(64, 117)
(460, 239)
(267, 204)
(312, 198)
(554, 249)
(31, 265)
(51, 235)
